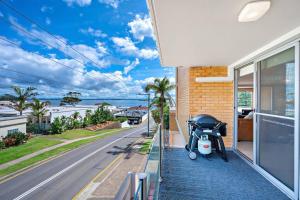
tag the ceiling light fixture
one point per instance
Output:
(252, 11)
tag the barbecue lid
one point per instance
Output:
(205, 120)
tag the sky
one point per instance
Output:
(100, 48)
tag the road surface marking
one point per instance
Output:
(71, 166)
(98, 175)
(13, 175)
(92, 182)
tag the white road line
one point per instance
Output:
(71, 166)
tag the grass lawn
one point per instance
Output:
(79, 133)
(32, 145)
(55, 152)
(146, 146)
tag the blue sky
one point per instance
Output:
(101, 48)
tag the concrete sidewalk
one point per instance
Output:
(65, 142)
(107, 183)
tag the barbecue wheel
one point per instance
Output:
(192, 155)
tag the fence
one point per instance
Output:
(142, 186)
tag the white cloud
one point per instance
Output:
(93, 32)
(60, 79)
(92, 55)
(80, 3)
(112, 3)
(48, 21)
(131, 66)
(46, 8)
(141, 27)
(1, 14)
(126, 46)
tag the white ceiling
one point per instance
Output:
(207, 32)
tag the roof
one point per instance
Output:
(12, 118)
(207, 33)
(138, 108)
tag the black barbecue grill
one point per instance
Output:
(206, 125)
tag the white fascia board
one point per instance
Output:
(284, 39)
(152, 13)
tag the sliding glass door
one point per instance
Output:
(275, 116)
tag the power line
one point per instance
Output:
(34, 36)
(24, 81)
(45, 30)
(1, 38)
(40, 77)
(57, 62)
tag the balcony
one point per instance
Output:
(212, 178)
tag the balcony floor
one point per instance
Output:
(212, 179)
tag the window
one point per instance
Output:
(13, 131)
(245, 99)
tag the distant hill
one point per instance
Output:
(7, 97)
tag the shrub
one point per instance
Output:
(32, 128)
(57, 127)
(2, 144)
(121, 119)
(15, 139)
(76, 124)
(8, 142)
(156, 116)
(101, 115)
(86, 121)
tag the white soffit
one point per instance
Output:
(207, 32)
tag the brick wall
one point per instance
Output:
(214, 98)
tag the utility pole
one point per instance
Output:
(148, 98)
(148, 114)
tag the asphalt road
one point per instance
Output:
(64, 176)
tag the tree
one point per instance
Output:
(22, 95)
(101, 115)
(161, 89)
(71, 98)
(57, 127)
(39, 109)
(87, 119)
(8, 97)
(103, 104)
(76, 120)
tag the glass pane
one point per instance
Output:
(276, 148)
(245, 98)
(277, 84)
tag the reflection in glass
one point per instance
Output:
(277, 84)
(276, 148)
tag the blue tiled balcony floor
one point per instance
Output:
(185, 179)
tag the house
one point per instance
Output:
(6, 103)
(135, 114)
(12, 124)
(53, 112)
(238, 61)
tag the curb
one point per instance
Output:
(12, 175)
(100, 173)
(97, 175)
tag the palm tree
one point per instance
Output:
(39, 109)
(21, 97)
(161, 89)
